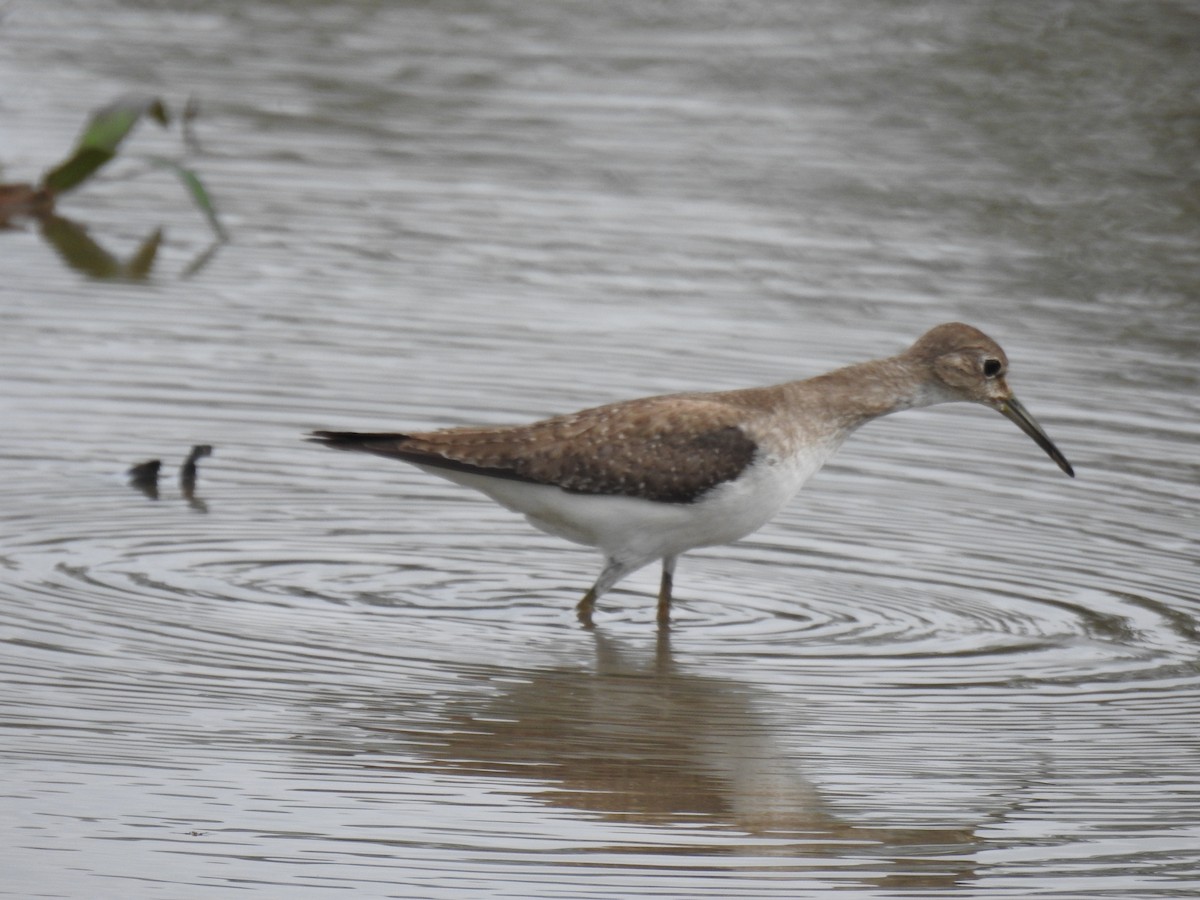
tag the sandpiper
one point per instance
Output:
(652, 478)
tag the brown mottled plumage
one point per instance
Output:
(651, 478)
(696, 444)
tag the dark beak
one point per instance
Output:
(1013, 410)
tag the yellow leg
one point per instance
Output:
(612, 572)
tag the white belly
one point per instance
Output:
(639, 531)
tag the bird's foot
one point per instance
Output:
(583, 611)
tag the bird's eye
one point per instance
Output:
(991, 367)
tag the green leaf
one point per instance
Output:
(195, 187)
(98, 144)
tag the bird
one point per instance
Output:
(649, 479)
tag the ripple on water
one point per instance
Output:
(890, 602)
(363, 643)
(408, 626)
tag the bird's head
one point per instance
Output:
(966, 364)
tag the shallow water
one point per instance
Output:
(945, 670)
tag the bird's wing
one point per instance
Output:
(671, 449)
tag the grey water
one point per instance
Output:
(945, 671)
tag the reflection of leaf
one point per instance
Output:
(77, 249)
(83, 254)
(202, 260)
(143, 261)
(104, 133)
(199, 195)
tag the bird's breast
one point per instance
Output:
(737, 508)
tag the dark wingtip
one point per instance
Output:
(382, 443)
(342, 439)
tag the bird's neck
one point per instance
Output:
(848, 398)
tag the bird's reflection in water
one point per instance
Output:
(644, 741)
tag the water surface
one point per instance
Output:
(945, 670)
